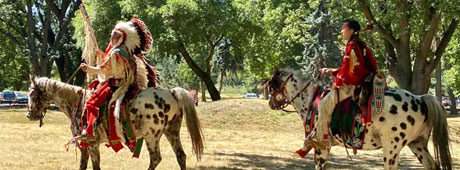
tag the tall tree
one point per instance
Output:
(43, 28)
(416, 40)
(321, 49)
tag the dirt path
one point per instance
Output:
(239, 134)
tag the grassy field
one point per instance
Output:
(239, 134)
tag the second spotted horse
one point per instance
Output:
(406, 120)
(154, 112)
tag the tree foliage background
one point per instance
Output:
(214, 44)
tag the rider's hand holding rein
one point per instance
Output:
(89, 69)
(327, 71)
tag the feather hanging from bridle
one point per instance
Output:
(91, 48)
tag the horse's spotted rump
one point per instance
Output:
(403, 125)
(396, 139)
(404, 142)
(394, 128)
(402, 135)
(382, 118)
(155, 119)
(405, 107)
(166, 120)
(148, 106)
(395, 95)
(393, 109)
(414, 105)
(424, 110)
(148, 116)
(161, 114)
(411, 120)
(134, 111)
(173, 94)
(167, 108)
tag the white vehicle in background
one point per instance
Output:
(251, 96)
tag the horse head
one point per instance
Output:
(285, 86)
(38, 99)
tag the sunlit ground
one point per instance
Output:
(239, 134)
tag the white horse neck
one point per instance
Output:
(297, 88)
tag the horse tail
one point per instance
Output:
(187, 105)
(438, 120)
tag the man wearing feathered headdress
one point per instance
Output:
(121, 74)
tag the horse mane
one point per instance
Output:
(298, 75)
(57, 87)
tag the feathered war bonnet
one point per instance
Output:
(137, 37)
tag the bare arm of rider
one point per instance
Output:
(104, 67)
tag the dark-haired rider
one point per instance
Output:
(357, 64)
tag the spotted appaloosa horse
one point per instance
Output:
(154, 112)
(407, 120)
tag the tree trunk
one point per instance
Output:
(204, 76)
(203, 91)
(438, 82)
(453, 101)
(412, 73)
(213, 92)
(221, 80)
(63, 67)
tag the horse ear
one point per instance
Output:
(32, 79)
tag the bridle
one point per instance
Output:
(282, 90)
(39, 97)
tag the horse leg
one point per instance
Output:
(391, 149)
(420, 150)
(84, 158)
(172, 133)
(321, 156)
(153, 146)
(95, 156)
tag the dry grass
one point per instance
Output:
(239, 134)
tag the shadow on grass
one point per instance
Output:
(256, 161)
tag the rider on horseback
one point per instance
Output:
(357, 65)
(121, 75)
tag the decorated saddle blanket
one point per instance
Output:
(116, 125)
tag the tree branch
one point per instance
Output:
(188, 59)
(370, 17)
(427, 37)
(446, 37)
(404, 34)
(55, 9)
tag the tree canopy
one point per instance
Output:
(210, 44)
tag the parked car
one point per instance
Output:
(21, 98)
(251, 96)
(9, 97)
(446, 102)
(1, 97)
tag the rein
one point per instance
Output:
(73, 75)
(288, 102)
